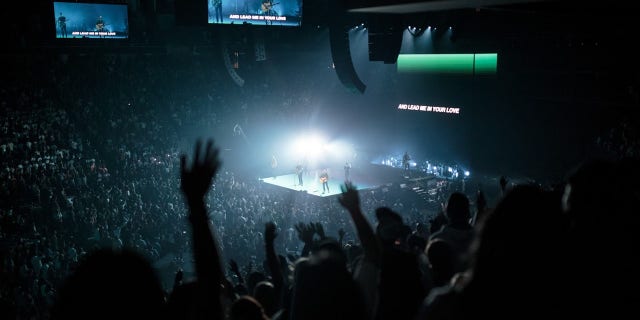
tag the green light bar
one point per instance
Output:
(465, 63)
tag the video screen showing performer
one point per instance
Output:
(62, 26)
(217, 10)
(286, 13)
(91, 20)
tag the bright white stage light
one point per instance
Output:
(308, 145)
(340, 150)
(466, 173)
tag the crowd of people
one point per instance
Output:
(104, 214)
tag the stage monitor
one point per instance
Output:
(284, 13)
(83, 20)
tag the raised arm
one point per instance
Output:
(195, 181)
(305, 234)
(350, 200)
(233, 266)
(270, 234)
(367, 273)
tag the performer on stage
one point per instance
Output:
(347, 171)
(299, 170)
(405, 161)
(324, 178)
(274, 165)
(305, 166)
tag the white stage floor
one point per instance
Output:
(311, 184)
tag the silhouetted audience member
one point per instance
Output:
(247, 308)
(503, 185)
(181, 302)
(458, 231)
(481, 207)
(441, 262)
(517, 266)
(265, 293)
(436, 223)
(253, 279)
(324, 288)
(110, 284)
(401, 289)
(601, 200)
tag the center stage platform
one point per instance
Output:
(312, 184)
(364, 177)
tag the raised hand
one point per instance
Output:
(177, 280)
(196, 179)
(233, 266)
(503, 183)
(349, 199)
(270, 232)
(305, 232)
(481, 201)
(341, 233)
(319, 230)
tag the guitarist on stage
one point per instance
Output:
(405, 162)
(324, 178)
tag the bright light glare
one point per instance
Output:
(317, 149)
(315, 146)
(339, 150)
(308, 146)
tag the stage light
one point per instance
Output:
(308, 146)
(450, 169)
(466, 173)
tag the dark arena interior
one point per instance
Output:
(319, 159)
